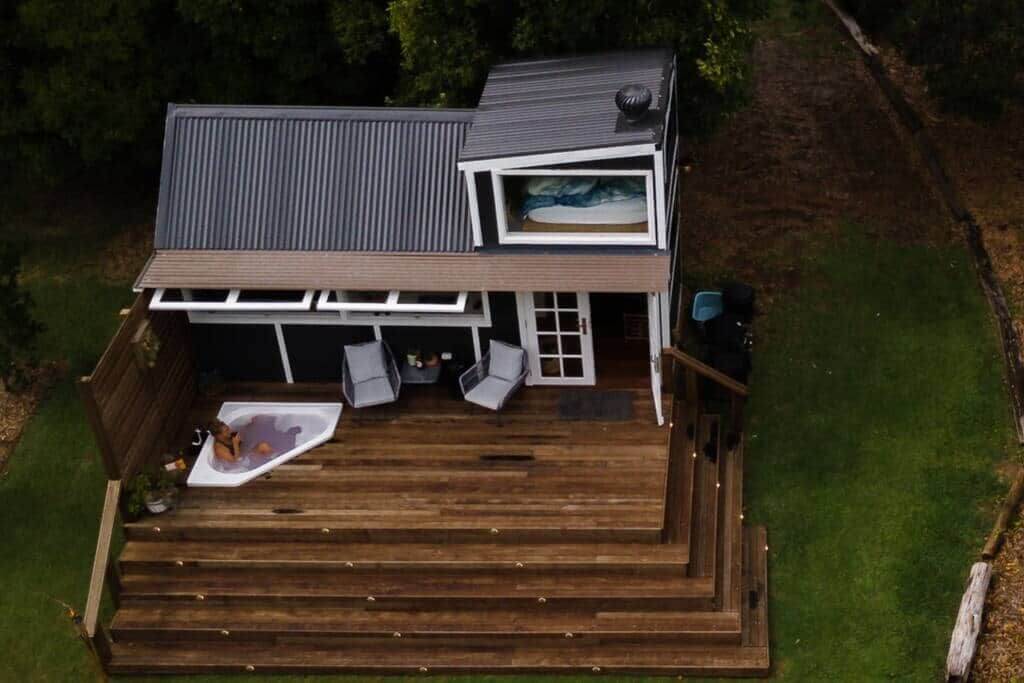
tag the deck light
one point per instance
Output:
(596, 669)
(349, 565)
(179, 563)
(370, 598)
(156, 529)
(250, 668)
(200, 597)
(568, 635)
(695, 454)
(542, 600)
(423, 669)
(494, 532)
(519, 565)
(396, 634)
(718, 485)
(325, 530)
(225, 632)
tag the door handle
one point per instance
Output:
(583, 325)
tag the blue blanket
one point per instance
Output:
(580, 191)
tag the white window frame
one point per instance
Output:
(506, 236)
(355, 318)
(230, 303)
(391, 305)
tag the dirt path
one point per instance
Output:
(815, 148)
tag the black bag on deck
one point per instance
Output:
(738, 299)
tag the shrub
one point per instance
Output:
(18, 329)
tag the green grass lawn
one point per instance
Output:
(877, 419)
(878, 416)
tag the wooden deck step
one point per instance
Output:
(512, 530)
(730, 567)
(680, 483)
(707, 478)
(142, 621)
(634, 558)
(355, 588)
(418, 656)
(754, 611)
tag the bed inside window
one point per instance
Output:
(575, 206)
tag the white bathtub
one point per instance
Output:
(311, 424)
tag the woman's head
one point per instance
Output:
(220, 430)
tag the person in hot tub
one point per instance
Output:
(227, 445)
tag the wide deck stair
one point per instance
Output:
(418, 554)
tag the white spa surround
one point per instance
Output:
(317, 422)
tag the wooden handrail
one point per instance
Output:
(706, 370)
(100, 567)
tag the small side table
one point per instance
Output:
(425, 375)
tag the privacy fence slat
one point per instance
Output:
(136, 408)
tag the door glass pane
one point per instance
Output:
(546, 321)
(571, 345)
(573, 367)
(567, 300)
(543, 300)
(547, 344)
(568, 321)
(550, 367)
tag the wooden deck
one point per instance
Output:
(433, 536)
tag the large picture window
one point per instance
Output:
(231, 300)
(394, 301)
(575, 206)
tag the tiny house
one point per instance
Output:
(593, 525)
(544, 218)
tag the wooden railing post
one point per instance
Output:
(102, 574)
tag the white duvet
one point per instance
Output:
(619, 212)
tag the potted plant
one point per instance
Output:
(152, 491)
(412, 358)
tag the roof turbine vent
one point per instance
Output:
(633, 101)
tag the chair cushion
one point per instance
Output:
(372, 392)
(506, 361)
(490, 392)
(365, 361)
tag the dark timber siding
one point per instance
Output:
(504, 321)
(315, 351)
(239, 353)
(486, 204)
(457, 340)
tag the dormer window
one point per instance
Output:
(575, 206)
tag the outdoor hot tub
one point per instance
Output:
(287, 429)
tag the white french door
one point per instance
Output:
(556, 332)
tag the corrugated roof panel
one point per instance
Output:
(547, 105)
(313, 179)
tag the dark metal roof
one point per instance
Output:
(313, 179)
(549, 105)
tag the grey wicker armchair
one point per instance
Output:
(369, 375)
(492, 381)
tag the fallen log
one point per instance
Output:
(995, 539)
(964, 642)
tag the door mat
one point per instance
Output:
(587, 404)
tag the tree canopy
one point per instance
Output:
(85, 84)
